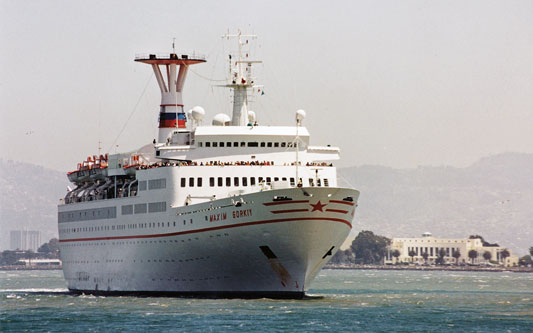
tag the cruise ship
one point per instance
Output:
(233, 209)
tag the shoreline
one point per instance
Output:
(350, 267)
(24, 268)
(430, 268)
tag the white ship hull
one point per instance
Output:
(234, 209)
(251, 245)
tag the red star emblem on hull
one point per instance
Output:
(318, 206)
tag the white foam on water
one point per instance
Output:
(35, 290)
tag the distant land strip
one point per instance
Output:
(432, 268)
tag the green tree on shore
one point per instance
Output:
(472, 254)
(412, 254)
(531, 251)
(487, 255)
(483, 241)
(504, 255)
(50, 249)
(440, 256)
(425, 255)
(8, 257)
(456, 254)
(343, 257)
(366, 248)
(369, 248)
(525, 260)
(396, 254)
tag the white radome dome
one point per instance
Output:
(221, 119)
(251, 116)
(300, 115)
(198, 113)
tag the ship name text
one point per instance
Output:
(242, 213)
(217, 217)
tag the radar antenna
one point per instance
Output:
(240, 78)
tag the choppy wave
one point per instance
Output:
(338, 301)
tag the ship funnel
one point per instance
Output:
(171, 114)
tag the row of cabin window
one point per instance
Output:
(244, 181)
(244, 144)
(122, 227)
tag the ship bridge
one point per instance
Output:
(277, 144)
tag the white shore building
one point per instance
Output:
(432, 246)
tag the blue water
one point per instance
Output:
(352, 300)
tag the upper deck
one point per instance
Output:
(247, 143)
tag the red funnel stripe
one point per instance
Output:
(171, 119)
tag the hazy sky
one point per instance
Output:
(396, 83)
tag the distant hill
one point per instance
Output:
(28, 199)
(493, 198)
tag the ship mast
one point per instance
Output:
(240, 79)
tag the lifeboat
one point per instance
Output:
(98, 173)
(132, 167)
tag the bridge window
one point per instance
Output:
(269, 144)
(228, 144)
(191, 181)
(182, 182)
(142, 185)
(126, 210)
(221, 144)
(243, 144)
(276, 144)
(211, 181)
(208, 144)
(292, 181)
(235, 144)
(215, 144)
(236, 181)
(199, 181)
(326, 182)
(219, 181)
(244, 181)
(140, 208)
(253, 144)
(283, 144)
(252, 181)
(228, 181)
(269, 180)
(262, 144)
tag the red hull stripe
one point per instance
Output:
(210, 229)
(337, 211)
(289, 211)
(342, 202)
(284, 202)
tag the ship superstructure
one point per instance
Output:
(232, 209)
